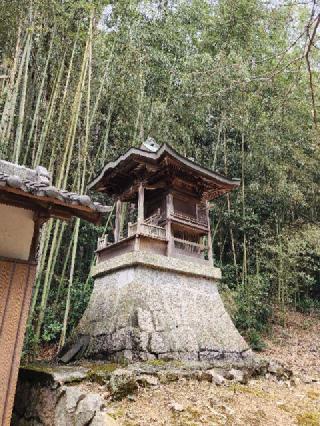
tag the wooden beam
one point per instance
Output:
(129, 193)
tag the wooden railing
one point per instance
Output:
(200, 220)
(153, 231)
(154, 218)
(132, 229)
(103, 242)
(189, 246)
(147, 229)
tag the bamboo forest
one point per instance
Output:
(234, 85)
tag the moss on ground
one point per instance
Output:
(164, 363)
(248, 390)
(39, 368)
(313, 394)
(157, 362)
(100, 373)
(309, 419)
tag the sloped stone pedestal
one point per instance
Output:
(146, 306)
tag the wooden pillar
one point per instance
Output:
(210, 254)
(169, 235)
(117, 223)
(140, 205)
(170, 209)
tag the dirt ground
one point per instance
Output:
(265, 401)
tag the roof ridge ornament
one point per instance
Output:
(150, 144)
(43, 175)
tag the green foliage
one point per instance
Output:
(30, 343)
(292, 263)
(51, 329)
(253, 310)
(255, 341)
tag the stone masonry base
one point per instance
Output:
(151, 307)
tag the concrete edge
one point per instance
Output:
(156, 261)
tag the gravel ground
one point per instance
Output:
(265, 401)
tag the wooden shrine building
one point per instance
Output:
(155, 293)
(169, 199)
(27, 200)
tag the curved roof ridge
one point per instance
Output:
(157, 155)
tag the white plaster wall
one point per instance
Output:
(16, 231)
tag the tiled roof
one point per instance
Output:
(37, 182)
(116, 176)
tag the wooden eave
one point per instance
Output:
(139, 165)
(46, 206)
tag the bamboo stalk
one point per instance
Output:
(140, 102)
(106, 136)
(17, 145)
(62, 105)
(70, 138)
(44, 242)
(68, 298)
(56, 251)
(229, 208)
(244, 264)
(49, 115)
(38, 101)
(82, 186)
(102, 84)
(64, 268)
(46, 286)
(217, 146)
(10, 86)
(8, 116)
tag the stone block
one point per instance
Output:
(237, 375)
(87, 409)
(158, 344)
(122, 382)
(213, 377)
(147, 380)
(103, 419)
(145, 322)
